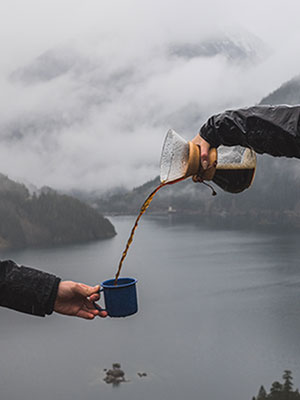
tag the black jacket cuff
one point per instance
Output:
(49, 308)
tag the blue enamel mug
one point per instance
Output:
(121, 299)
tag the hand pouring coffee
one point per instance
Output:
(233, 172)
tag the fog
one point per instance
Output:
(88, 90)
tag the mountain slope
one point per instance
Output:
(46, 219)
(287, 93)
(236, 47)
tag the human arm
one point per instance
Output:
(35, 292)
(26, 289)
(266, 129)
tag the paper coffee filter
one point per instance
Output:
(174, 157)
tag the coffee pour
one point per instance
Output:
(181, 159)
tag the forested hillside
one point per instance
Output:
(47, 218)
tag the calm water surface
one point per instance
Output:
(219, 316)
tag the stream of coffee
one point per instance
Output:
(143, 209)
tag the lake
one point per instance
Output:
(219, 315)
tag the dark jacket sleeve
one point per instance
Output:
(265, 129)
(26, 289)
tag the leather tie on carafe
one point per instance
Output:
(206, 174)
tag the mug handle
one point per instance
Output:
(99, 308)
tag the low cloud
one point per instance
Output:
(90, 108)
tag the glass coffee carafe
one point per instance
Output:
(231, 168)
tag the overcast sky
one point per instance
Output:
(100, 120)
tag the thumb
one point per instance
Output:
(204, 146)
(86, 290)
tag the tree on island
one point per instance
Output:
(280, 391)
(262, 394)
(276, 392)
(288, 381)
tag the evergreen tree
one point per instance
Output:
(280, 391)
(288, 381)
(276, 391)
(262, 394)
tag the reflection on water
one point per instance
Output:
(219, 316)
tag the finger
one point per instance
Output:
(93, 289)
(94, 312)
(96, 288)
(103, 314)
(197, 178)
(94, 297)
(89, 305)
(95, 309)
(86, 314)
(86, 290)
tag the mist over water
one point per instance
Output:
(219, 315)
